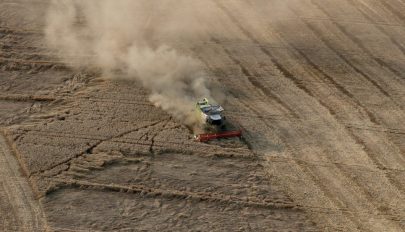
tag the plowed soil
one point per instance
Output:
(319, 94)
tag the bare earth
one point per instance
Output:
(320, 96)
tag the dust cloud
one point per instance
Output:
(126, 36)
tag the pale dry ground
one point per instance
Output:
(317, 86)
(19, 209)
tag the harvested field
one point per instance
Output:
(318, 87)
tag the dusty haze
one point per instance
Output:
(120, 35)
(317, 86)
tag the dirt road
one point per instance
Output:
(318, 87)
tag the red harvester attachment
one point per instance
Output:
(227, 134)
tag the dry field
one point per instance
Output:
(319, 91)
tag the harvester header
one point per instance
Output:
(214, 122)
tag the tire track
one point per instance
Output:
(308, 172)
(353, 21)
(346, 61)
(254, 81)
(287, 74)
(342, 89)
(319, 50)
(380, 28)
(328, 164)
(373, 157)
(28, 212)
(284, 71)
(357, 42)
(356, 186)
(350, 97)
(394, 11)
(380, 60)
(340, 166)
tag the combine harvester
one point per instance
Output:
(214, 122)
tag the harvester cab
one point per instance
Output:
(210, 114)
(214, 122)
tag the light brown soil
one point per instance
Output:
(320, 95)
(19, 209)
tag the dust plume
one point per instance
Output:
(126, 35)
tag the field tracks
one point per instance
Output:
(26, 209)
